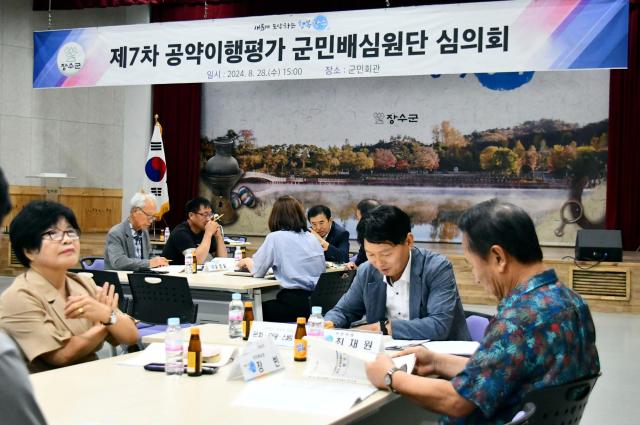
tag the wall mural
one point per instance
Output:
(432, 145)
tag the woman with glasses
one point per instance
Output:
(56, 317)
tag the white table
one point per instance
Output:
(252, 287)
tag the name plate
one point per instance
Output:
(368, 342)
(282, 334)
(258, 359)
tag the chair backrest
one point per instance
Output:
(561, 404)
(155, 298)
(92, 263)
(523, 416)
(330, 288)
(100, 277)
(477, 326)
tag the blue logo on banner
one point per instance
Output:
(502, 81)
(320, 23)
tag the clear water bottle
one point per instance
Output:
(236, 312)
(315, 325)
(166, 233)
(237, 254)
(173, 347)
(188, 261)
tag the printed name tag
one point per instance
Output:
(258, 359)
(282, 334)
(368, 342)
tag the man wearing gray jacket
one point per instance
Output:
(403, 291)
(128, 246)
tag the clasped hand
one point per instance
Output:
(96, 309)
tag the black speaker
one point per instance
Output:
(599, 245)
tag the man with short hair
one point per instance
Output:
(403, 291)
(199, 231)
(128, 246)
(17, 402)
(542, 334)
(333, 237)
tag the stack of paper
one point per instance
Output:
(460, 348)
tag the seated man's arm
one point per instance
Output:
(437, 395)
(116, 253)
(441, 306)
(18, 403)
(339, 250)
(351, 306)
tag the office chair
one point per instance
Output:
(92, 263)
(330, 288)
(477, 324)
(523, 416)
(155, 298)
(560, 404)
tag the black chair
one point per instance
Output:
(100, 277)
(560, 404)
(330, 288)
(523, 416)
(155, 298)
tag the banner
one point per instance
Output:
(489, 37)
(155, 172)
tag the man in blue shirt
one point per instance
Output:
(542, 334)
(404, 291)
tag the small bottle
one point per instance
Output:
(237, 254)
(247, 320)
(173, 347)
(315, 325)
(194, 262)
(299, 343)
(166, 233)
(236, 313)
(194, 355)
(188, 261)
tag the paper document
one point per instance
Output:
(308, 396)
(333, 362)
(170, 269)
(247, 274)
(460, 348)
(154, 353)
(401, 344)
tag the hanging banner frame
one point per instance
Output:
(501, 36)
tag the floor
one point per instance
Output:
(615, 396)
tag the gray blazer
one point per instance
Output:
(120, 252)
(435, 309)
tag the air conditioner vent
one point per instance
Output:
(603, 283)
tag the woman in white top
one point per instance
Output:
(296, 257)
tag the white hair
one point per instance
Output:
(139, 199)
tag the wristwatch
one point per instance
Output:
(112, 319)
(383, 327)
(388, 378)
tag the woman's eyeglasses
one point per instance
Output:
(58, 235)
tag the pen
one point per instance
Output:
(217, 217)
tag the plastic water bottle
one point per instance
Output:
(237, 254)
(173, 347)
(166, 233)
(188, 261)
(315, 325)
(236, 312)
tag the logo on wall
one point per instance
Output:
(320, 23)
(70, 58)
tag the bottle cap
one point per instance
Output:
(195, 331)
(301, 320)
(316, 309)
(236, 296)
(248, 304)
(173, 321)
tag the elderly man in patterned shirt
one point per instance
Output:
(542, 334)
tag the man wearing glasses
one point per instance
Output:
(199, 232)
(128, 246)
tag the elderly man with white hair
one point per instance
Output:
(128, 246)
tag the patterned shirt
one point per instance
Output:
(542, 335)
